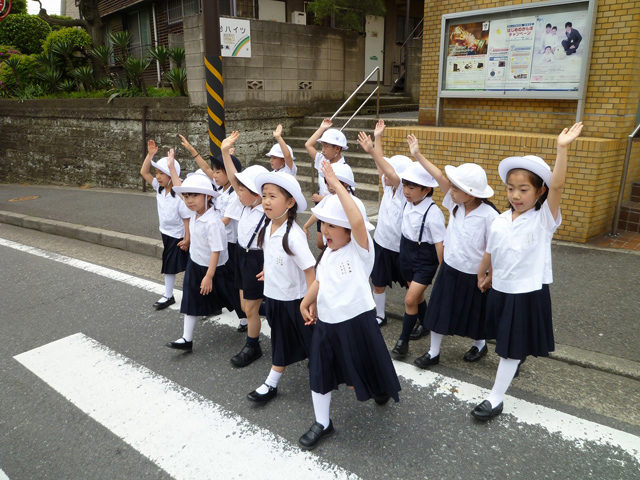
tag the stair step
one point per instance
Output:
(635, 192)
(630, 217)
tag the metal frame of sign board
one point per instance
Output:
(479, 15)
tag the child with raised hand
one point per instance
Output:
(204, 290)
(386, 239)
(347, 346)
(457, 307)
(249, 256)
(173, 217)
(281, 155)
(333, 144)
(229, 208)
(421, 248)
(517, 266)
(288, 272)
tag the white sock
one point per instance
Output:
(271, 381)
(321, 406)
(380, 299)
(436, 340)
(479, 344)
(169, 282)
(506, 370)
(189, 325)
(244, 321)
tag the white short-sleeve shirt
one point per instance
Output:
(247, 224)
(388, 229)
(343, 275)
(207, 235)
(291, 171)
(322, 186)
(433, 231)
(228, 205)
(521, 250)
(466, 238)
(171, 212)
(283, 273)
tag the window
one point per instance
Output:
(177, 9)
(139, 24)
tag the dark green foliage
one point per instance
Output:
(121, 40)
(178, 55)
(134, 70)
(84, 76)
(349, 14)
(77, 39)
(18, 71)
(25, 32)
(18, 7)
(178, 79)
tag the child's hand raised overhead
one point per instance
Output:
(228, 142)
(184, 142)
(326, 123)
(365, 142)
(171, 157)
(379, 130)
(414, 146)
(278, 131)
(152, 148)
(568, 135)
(329, 175)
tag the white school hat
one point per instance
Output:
(197, 184)
(399, 163)
(276, 151)
(286, 181)
(163, 167)
(343, 173)
(333, 213)
(248, 176)
(334, 136)
(529, 162)
(416, 173)
(470, 178)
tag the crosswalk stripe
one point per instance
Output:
(142, 407)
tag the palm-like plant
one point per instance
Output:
(13, 63)
(65, 49)
(177, 55)
(121, 40)
(50, 75)
(161, 55)
(67, 86)
(83, 75)
(178, 79)
(103, 55)
(134, 69)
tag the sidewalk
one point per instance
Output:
(595, 293)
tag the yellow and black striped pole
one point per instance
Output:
(213, 75)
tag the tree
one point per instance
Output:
(348, 14)
(91, 20)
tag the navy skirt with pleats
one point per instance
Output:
(457, 305)
(193, 302)
(386, 269)
(290, 337)
(353, 353)
(521, 323)
(174, 259)
(247, 266)
(233, 291)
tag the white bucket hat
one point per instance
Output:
(248, 176)
(164, 167)
(400, 163)
(276, 151)
(470, 178)
(529, 162)
(286, 181)
(334, 136)
(197, 184)
(343, 173)
(333, 213)
(416, 173)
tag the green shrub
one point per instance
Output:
(25, 32)
(6, 51)
(55, 28)
(18, 7)
(78, 37)
(27, 69)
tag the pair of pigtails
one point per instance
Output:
(483, 200)
(172, 193)
(292, 215)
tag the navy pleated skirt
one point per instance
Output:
(353, 353)
(290, 338)
(174, 259)
(233, 291)
(247, 266)
(386, 269)
(418, 262)
(521, 323)
(457, 305)
(193, 302)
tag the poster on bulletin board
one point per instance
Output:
(235, 37)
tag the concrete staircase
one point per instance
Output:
(630, 211)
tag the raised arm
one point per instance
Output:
(288, 159)
(384, 167)
(435, 172)
(377, 137)
(145, 170)
(310, 144)
(559, 174)
(227, 144)
(175, 179)
(202, 163)
(356, 220)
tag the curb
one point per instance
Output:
(153, 248)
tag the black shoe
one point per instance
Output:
(161, 305)
(401, 348)
(315, 434)
(418, 332)
(473, 355)
(381, 399)
(263, 397)
(243, 328)
(518, 369)
(426, 361)
(484, 411)
(381, 321)
(181, 345)
(247, 355)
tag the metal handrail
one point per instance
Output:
(412, 31)
(623, 181)
(377, 69)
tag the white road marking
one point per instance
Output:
(569, 427)
(3, 476)
(141, 406)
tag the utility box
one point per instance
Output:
(299, 18)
